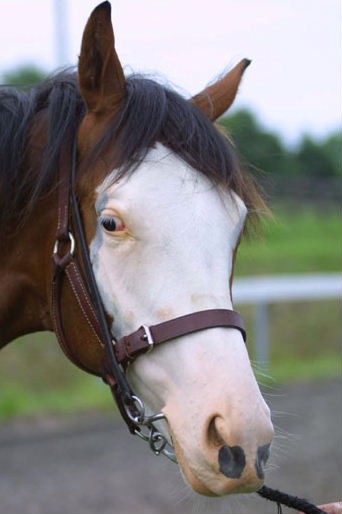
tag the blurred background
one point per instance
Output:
(286, 125)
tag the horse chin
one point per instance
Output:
(187, 473)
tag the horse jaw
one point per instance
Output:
(176, 258)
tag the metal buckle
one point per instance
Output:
(148, 337)
(72, 244)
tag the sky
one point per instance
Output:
(293, 83)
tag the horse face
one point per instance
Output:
(164, 247)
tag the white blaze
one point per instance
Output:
(183, 232)
(177, 259)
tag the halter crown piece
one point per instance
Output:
(118, 354)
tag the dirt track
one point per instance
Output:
(90, 465)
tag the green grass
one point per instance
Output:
(295, 370)
(305, 337)
(36, 377)
(293, 242)
(305, 341)
(85, 394)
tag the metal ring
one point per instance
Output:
(72, 244)
(139, 406)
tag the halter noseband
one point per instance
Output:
(117, 354)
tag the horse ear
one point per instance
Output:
(101, 78)
(216, 99)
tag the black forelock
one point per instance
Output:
(152, 113)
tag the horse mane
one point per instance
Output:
(55, 102)
(152, 113)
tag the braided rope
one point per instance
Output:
(288, 500)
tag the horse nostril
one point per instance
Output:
(263, 454)
(215, 439)
(232, 461)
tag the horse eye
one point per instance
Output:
(112, 223)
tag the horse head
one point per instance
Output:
(164, 206)
(162, 245)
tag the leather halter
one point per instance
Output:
(116, 354)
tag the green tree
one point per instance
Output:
(24, 77)
(258, 147)
(332, 148)
(263, 149)
(313, 159)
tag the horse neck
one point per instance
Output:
(25, 274)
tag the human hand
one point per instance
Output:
(332, 508)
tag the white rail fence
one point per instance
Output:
(262, 291)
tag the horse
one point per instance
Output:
(122, 209)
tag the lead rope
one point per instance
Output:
(289, 501)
